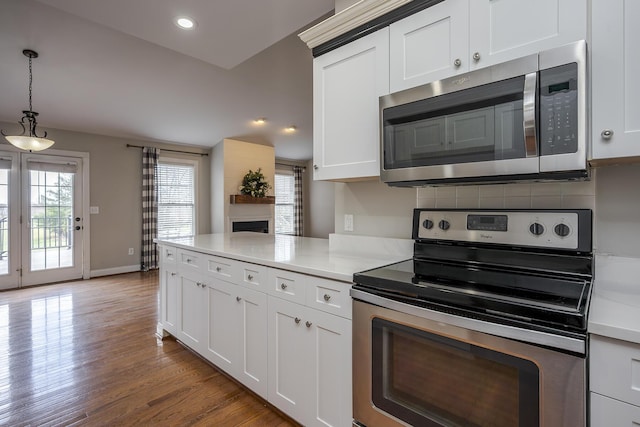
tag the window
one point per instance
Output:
(175, 183)
(285, 199)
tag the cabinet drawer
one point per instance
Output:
(168, 254)
(222, 268)
(615, 369)
(330, 296)
(610, 412)
(190, 261)
(252, 276)
(287, 285)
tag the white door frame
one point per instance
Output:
(16, 200)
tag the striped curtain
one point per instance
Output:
(298, 225)
(149, 251)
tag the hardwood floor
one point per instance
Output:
(85, 353)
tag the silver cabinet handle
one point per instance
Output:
(283, 286)
(188, 260)
(308, 324)
(315, 167)
(476, 56)
(238, 299)
(457, 63)
(218, 269)
(198, 284)
(327, 297)
(173, 274)
(607, 134)
(297, 320)
(249, 277)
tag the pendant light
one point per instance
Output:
(30, 140)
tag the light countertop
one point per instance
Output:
(329, 258)
(615, 301)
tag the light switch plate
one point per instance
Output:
(348, 222)
(94, 210)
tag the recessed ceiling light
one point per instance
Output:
(185, 22)
(260, 121)
(290, 129)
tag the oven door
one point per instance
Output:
(414, 370)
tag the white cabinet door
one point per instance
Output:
(192, 309)
(500, 30)
(251, 319)
(615, 62)
(169, 298)
(347, 83)
(309, 364)
(329, 338)
(429, 45)
(610, 412)
(222, 325)
(290, 365)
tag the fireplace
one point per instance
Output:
(261, 226)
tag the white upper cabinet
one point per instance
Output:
(347, 83)
(500, 30)
(457, 36)
(429, 45)
(615, 67)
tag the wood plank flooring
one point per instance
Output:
(85, 353)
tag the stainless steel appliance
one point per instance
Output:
(485, 326)
(523, 119)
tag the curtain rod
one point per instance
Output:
(173, 151)
(304, 168)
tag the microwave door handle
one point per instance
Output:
(529, 114)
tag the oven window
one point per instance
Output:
(431, 380)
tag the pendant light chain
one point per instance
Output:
(30, 83)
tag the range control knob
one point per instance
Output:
(428, 224)
(536, 228)
(562, 230)
(444, 224)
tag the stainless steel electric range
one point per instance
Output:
(485, 326)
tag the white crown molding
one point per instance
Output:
(348, 19)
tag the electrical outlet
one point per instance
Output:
(130, 251)
(348, 222)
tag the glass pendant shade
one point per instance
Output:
(29, 143)
(29, 139)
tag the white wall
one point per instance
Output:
(319, 206)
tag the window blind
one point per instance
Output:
(285, 198)
(176, 200)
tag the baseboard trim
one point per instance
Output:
(115, 270)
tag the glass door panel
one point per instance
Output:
(9, 220)
(52, 222)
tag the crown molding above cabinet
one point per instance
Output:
(350, 18)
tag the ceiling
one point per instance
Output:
(124, 69)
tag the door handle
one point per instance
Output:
(77, 227)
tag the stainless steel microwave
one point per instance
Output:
(520, 120)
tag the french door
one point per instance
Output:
(41, 226)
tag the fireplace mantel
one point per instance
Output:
(236, 199)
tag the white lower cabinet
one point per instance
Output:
(238, 334)
(294, 352)
(309, 364)
(608, 412)
(192, 311)
(169, 298)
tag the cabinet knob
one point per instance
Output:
(173, 274)
(218, 269)
(315, 167)
(249, 277)
(327, 297)
(297, 320)
(283, 286)
(198, 284)
(188, 260)
(308, 324)
(238, 299)
(457, 63)
(476, 56)
(607, 134)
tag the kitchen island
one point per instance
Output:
(273, 312)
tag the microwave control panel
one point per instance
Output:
(558, 110)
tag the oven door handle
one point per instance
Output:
(506, 331)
